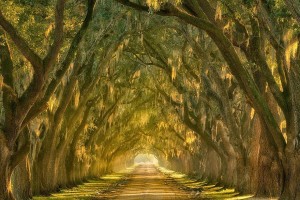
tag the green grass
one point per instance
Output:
(90, 188)
(206, 190)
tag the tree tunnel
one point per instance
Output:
(208, 88)
(146, 158)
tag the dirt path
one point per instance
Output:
(147, 183)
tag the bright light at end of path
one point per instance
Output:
(145, 159)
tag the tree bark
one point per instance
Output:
(291, 159)
(21, 181)
(291, 187)
(270, 176)
(5, 170)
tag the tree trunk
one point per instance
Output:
(61, 172)
(291, 159)
(5, 170)
(228, 174)
(243, 176)
(5, 183)
(270, 176)
(43, 171)
(291, 186)
(21, 181)
(49, 158)
(70, 166)
(254, 154)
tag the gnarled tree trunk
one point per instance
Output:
(291, 157)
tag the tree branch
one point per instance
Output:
(42, 104)
(22, 152)
(50, 58)
(21, 44)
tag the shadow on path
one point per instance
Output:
(146, 182)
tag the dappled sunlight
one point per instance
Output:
(149, 181)
(202, 189)
(91, 187)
